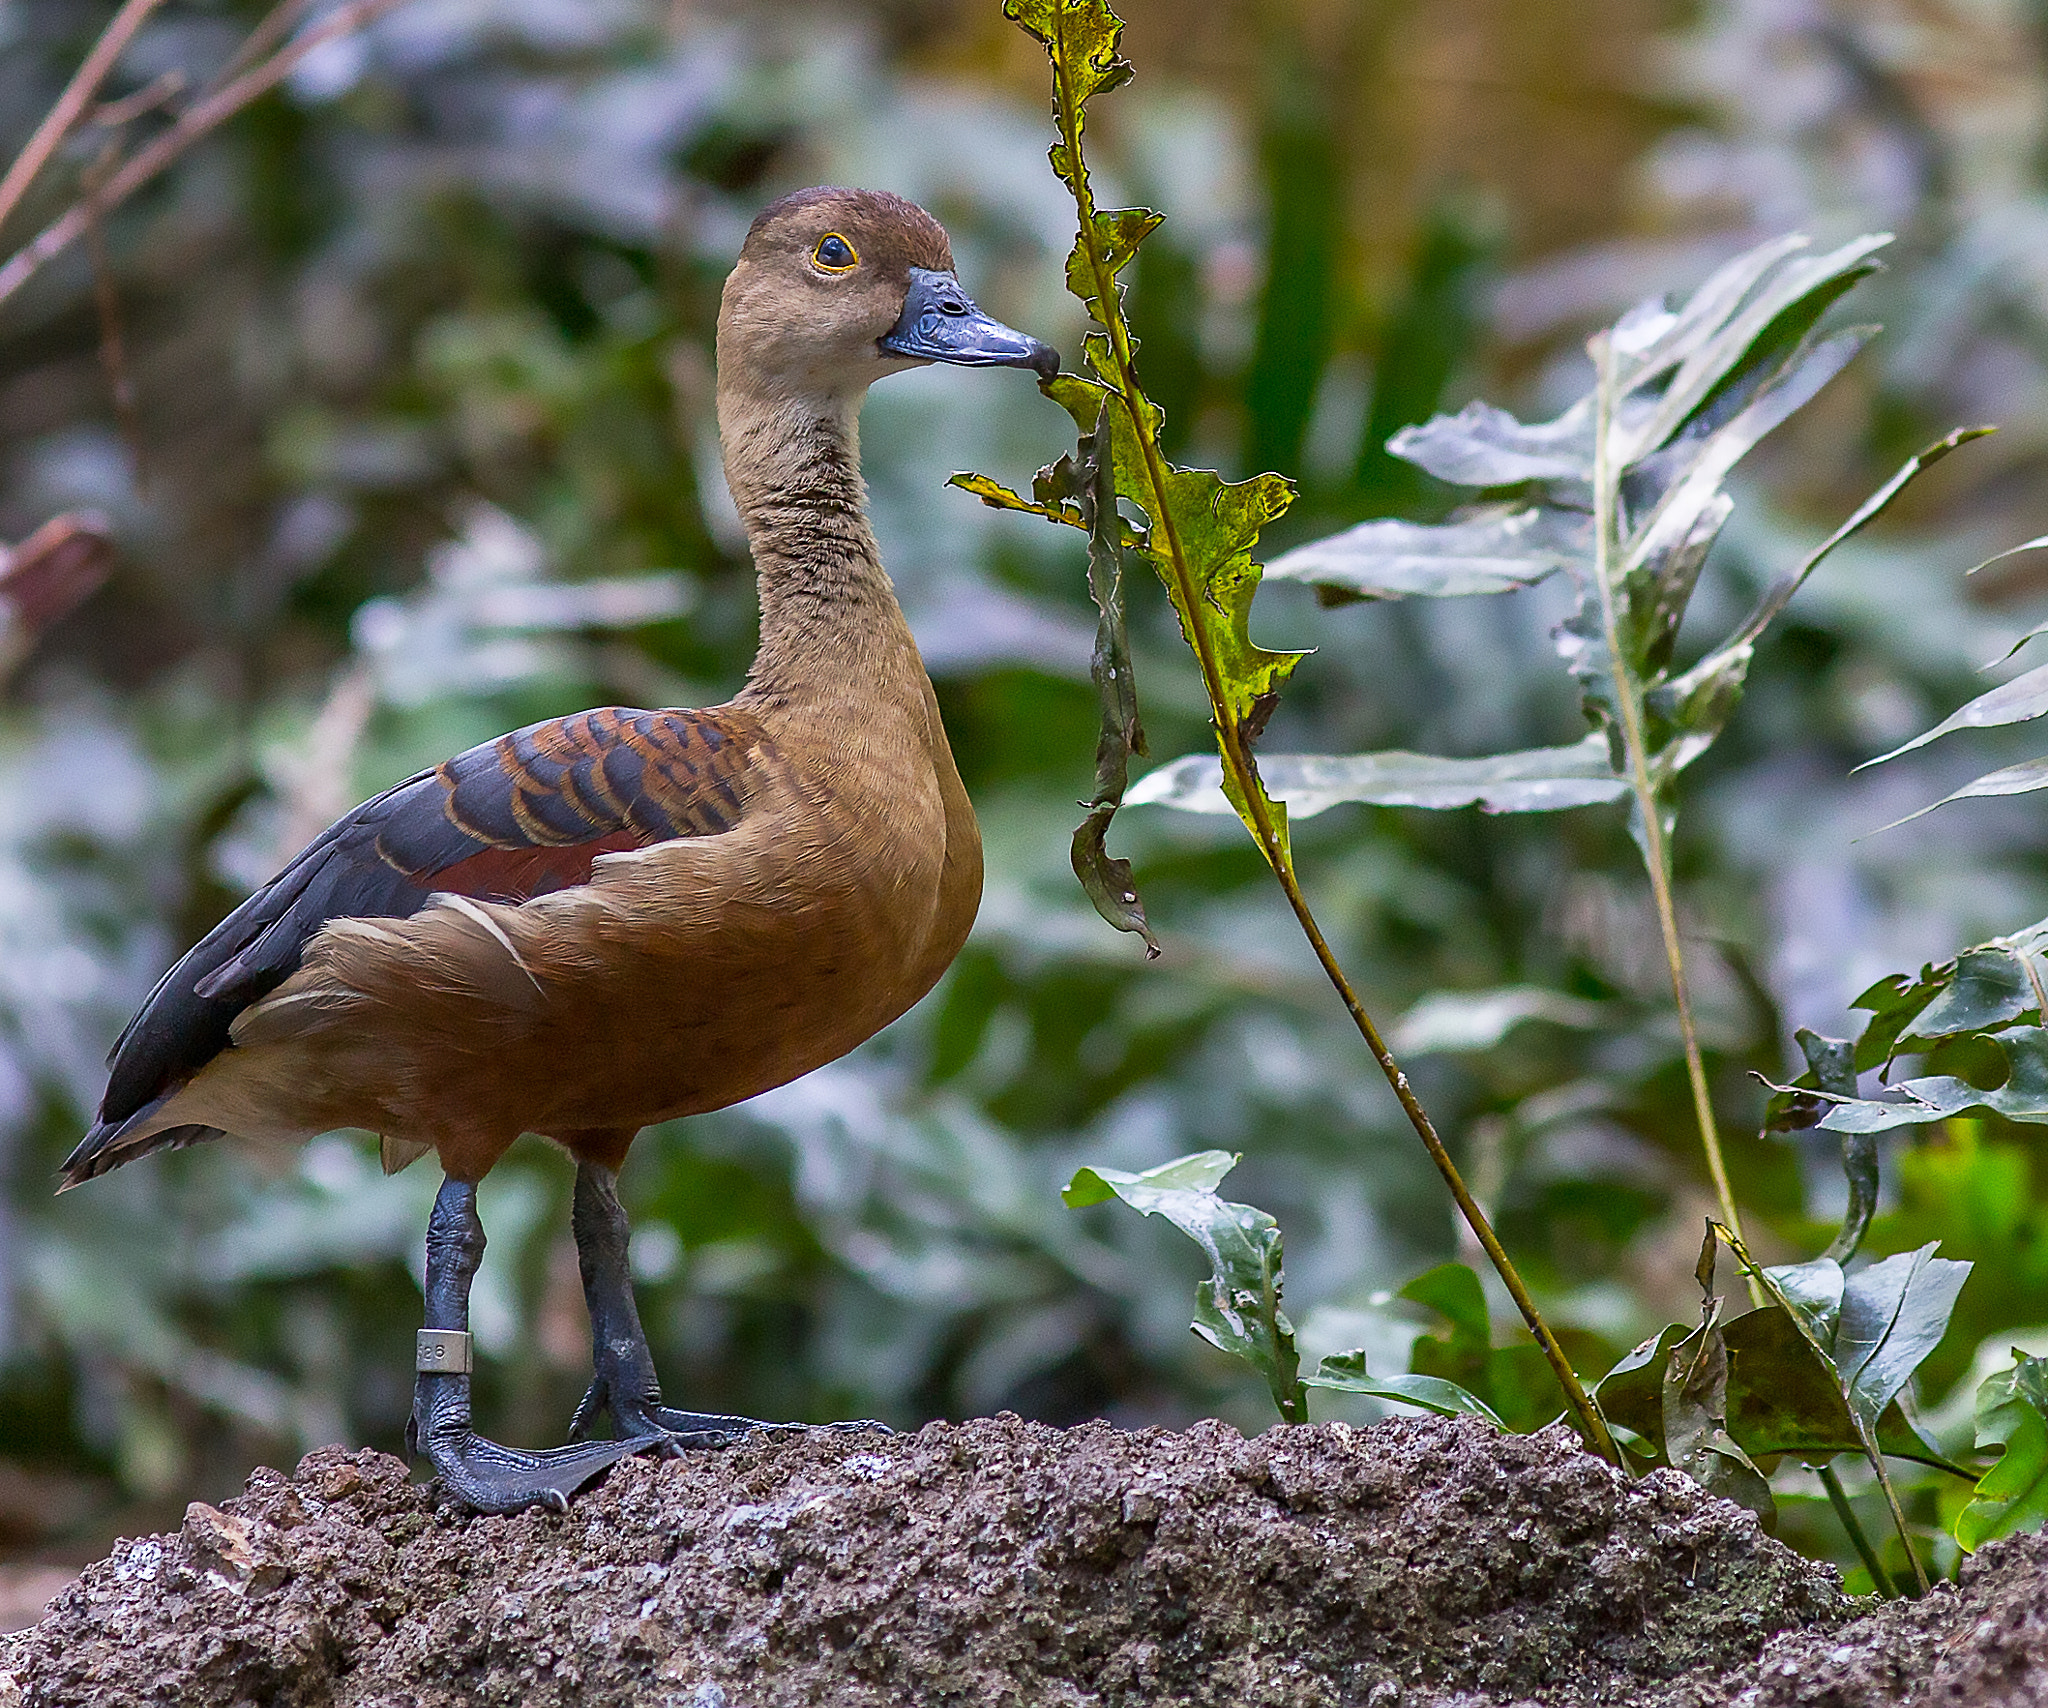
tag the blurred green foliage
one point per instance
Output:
(424, 450)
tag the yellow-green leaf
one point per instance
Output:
(1118, 232)
(999, 497)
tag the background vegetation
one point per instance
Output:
(411, 442)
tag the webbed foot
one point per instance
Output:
(487, 1476)
(624, 1383)
(492, 1478)
(682, 1430)
(712, 1429)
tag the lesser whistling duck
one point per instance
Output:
(624, 916)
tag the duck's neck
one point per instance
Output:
(829, 617)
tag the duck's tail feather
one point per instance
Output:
(111, 1143)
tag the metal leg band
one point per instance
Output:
(443, 1352)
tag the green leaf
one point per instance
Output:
(1345, 1372)
(1783, 1398)
(1663, 513)
(1109, 883)
(1499, 550)
(1544, 779)
(2032, 545)
(1632, 1393)
(999, 497)
(1118, 233)
(1894, 1314)
(1712, 687)
(1780, 593)
(2023, 698)
(1831, 1069)
(1833, 1063)
(1200, 543)
(1812, 1292)
(1692, 495)
(1653, 603)
(1886, 1325)
(1788, 298)
(1866, 1350)
(1485, 446)
(1662, 340)
(1695, 1405)
(1682, 396)
(1892, 1004)
(1080, 37)
(1988, 987)
(1514, 1381)
(1237, 1308)
(1876, 1330)
(1200, 530)
(2012, 1413)
(2021, 779)
(1914, 1102)
(1152, 1190)
(1974, 995)
(1453, 1291)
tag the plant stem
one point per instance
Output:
(1838, 1498)
(1656, 851)
(1891, 1496)
(1243, 770)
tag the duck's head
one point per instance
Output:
(836, 288)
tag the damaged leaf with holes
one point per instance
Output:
(1199, 531)
(1085, 480)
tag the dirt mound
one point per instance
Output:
(1000, 1562)
(1979, 1642)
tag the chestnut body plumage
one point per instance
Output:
(623, 916)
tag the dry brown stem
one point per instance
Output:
(63, 118)
(206, 114)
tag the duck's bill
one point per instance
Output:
(941, 324)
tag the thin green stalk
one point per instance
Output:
(1891, 1496)
(1243, 770)
(1838, 1498)
(1656, 852)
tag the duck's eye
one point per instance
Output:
(834, 253)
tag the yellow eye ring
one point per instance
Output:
(834, 253)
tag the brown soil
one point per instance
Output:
(1000, 1562)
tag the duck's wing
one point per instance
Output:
(518, 817)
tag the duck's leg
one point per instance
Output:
(623, 1380)
(622, 1369)
(489, 1477)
